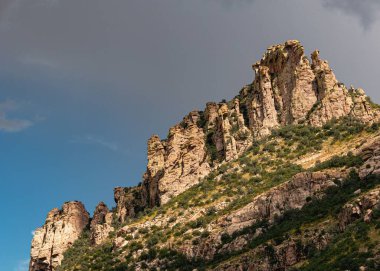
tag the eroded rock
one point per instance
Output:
(101, 224)
(361, 208)
(287, 89)
(61, 229)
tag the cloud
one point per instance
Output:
(12, 124)
(367, 11)
(6, 9)
(95, 140)
(4, 5)
(38, 61)
(22, 265)
(234, 3)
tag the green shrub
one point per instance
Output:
(348, 160)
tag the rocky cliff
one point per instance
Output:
(289, 90)
(101, 224)
(61, 229)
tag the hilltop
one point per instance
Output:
(282, 176)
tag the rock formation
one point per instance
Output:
(293, 194)
(334, 100)
(101, 224)
(185, 158)
(370, 153)
(284, 89)
(287, 89)
(61, 229)
(268, 206)
(129, 201)
(361, 207)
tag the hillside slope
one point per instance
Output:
(282, 176)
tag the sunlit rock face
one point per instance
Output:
(284, 89)
(101, 224)
(288, 89)
(61, 229)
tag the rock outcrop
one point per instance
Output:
(293, 194)
(334, 99)
(360, 208)
(268, 206)
(370, 153)
(284, 89)
(185, 158)
(101, 224)
(129, 201)
(273, 257)
(227, 130)
(61, 229)
(287, 89)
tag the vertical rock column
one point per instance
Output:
(61, 229)
(186, 160)
(101, 224)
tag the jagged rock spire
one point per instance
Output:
(287, 89)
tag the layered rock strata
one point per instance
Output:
(293, 194)
(295, 250)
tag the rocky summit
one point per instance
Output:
(282, 177)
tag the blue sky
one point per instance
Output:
(83, 84)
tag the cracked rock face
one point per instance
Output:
(61, 229)
(360, 208)
(101, 224)
(185, 158)
(129, 201)
(227, 130)
(283, 91)
(370, 153)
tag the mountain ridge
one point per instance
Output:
(288, 91)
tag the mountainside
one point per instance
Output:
(282, 177)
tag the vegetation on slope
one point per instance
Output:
(269, 162)
(294, 222)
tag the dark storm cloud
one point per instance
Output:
(4, 4)
(366, 10)
(106, 74)
(174, 55)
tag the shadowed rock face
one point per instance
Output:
(370, 153)
(129, 201)
(61, 229)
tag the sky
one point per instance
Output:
(84, 83)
